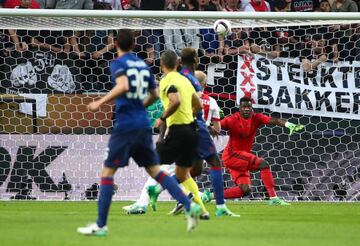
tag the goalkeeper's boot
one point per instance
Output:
(204, 216)
(179, 207)
(192, 216)
(93, 230)
(278, 202)
(135, 209)
(224, 211)
(206, 196)
(154, 193)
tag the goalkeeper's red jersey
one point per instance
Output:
(242, 131)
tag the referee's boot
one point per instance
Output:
(179, 207)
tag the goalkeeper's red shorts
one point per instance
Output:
(239, 164)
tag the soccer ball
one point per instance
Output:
(222, 27)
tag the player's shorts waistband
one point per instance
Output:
(180, 126)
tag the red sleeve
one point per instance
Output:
(261, 119)
(35, 5)
(225, 123)
(11, 4)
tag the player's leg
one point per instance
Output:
(207, 150)
(242, 181)
(192, 210)
(153, 191)
(152, 187)
(268, 181)
(118, 156)
(145, 156)
(140, 206)
(188, 156)
(237, 166)
(106, 191)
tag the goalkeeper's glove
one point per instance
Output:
(221, 113)
(293, 128)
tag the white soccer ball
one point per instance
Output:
(222, 27)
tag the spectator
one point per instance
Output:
(23, 4)
(125, 4)
(232, 5)
(281, 41)
(304, 5)
(243, 4)
(274, 3)
(324, 6)
(22, 38)
(212, 44)
(152, 5)
(191, 4)
(102, 4)
(177, 39)
(344, 6)
(321, 51)
(258, 6)
(144, 46)
(209, 5)
(42, 3)
(282, 6)
(237, 43)
(69, 4)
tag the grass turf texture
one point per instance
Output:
(55, 223)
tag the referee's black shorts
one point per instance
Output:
(179, 146)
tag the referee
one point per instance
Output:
(181, 103)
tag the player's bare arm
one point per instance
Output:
(196, 103)
(121, 87)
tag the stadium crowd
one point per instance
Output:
(92, 50)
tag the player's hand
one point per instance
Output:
(222, 115)
(294, 128)
(94, 106)
(158, 123)
(213, 132)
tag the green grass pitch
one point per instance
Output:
(55, 223)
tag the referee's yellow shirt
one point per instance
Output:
(184, 114)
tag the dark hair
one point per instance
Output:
(280, 4)
(125, 40)
(169, 59)
(182, 7)
(245, 99)
(322, 1)
(188, 56)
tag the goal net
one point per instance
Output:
(300, 67)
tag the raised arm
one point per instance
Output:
(284, 123)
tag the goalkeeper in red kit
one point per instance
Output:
(237, 157)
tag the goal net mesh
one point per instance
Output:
(51, 147)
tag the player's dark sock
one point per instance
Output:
(233, 192)
(217, 182)
(106, 192)
(173, 188)
(268, 181)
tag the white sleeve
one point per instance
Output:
(249, 8)
(214, 112)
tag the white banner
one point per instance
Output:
(281, 85)
(43, 161)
